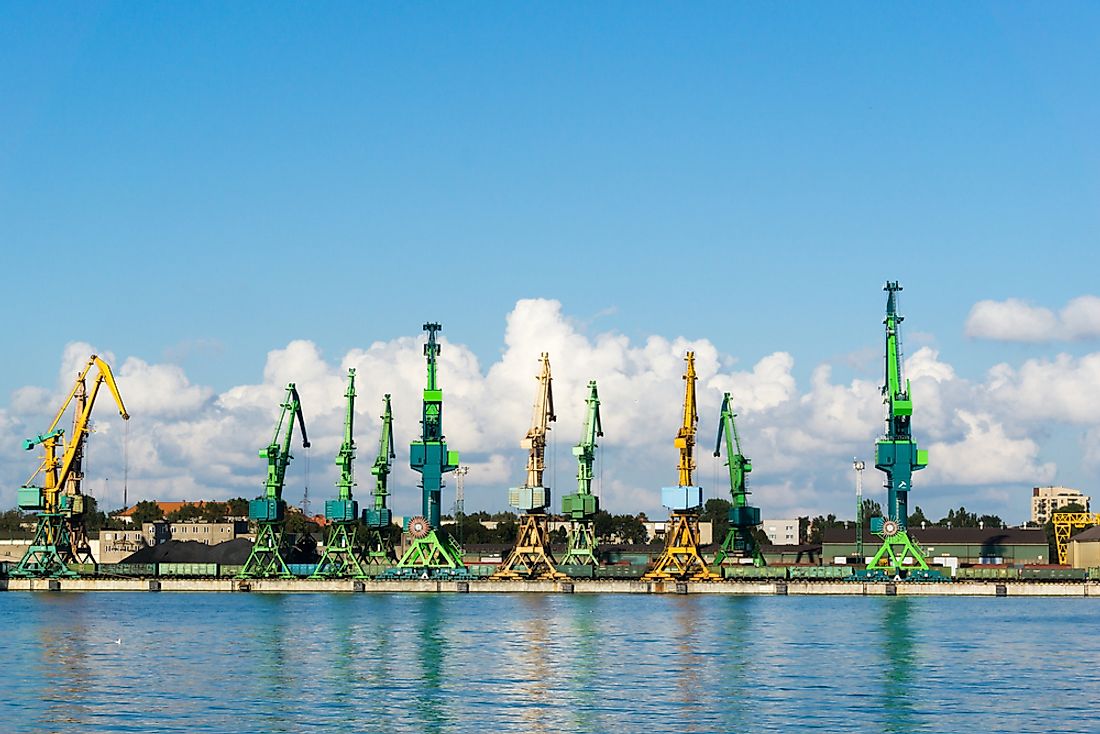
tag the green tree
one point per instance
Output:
(917, 518)
(871, 508)
(237, 507)
(991, 521)
(187, 513)
(214, 511)
(960, 518)
(717, 512)
(820, 524)
(146, 511)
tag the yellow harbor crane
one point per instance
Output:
(1064, 523)
(680, 558)
(531, 557)
(61, 537)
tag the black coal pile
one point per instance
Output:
(231, 552)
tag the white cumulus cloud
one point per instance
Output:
(1015, 320)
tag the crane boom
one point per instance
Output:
(543, 416)
(685, 438)
(585, 451)
(278, 455)
(345, 457)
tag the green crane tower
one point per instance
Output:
(431, 546)
(269, 512)
(743, 517)
(896, 455)
(340, 557)
(581, 508)
(379, 517)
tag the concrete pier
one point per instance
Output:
(576, 586)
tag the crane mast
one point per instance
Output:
(896, 455)
(680, 558)
(531, 557)
(269, 512)
(340, 557)
(431, 547)
(378, 517)
(581, 508)
(743, 517)
(61, 536)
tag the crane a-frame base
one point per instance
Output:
(581, 545)
(340, 558)
(531, 557)
(681, 558)
(437, 549)
(892, 554)
(266, 559)
(50, 551)
(738, 545)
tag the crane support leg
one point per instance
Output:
(50, 551)
(437, 549)
(266, 559)
(341, 555)
(681, 559)
(530, 558)
(894, 552)
(582, 545)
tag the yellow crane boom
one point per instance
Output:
(685, 438)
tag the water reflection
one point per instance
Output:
(737, 644)
(899, 684)
(582, 654)
(431, 652)
(63, 660)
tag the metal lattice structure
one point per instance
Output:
(340, 558)
(379, 517)
(744, 518)
(581, 508)
(896, 455)
(431, 547)
(269, 512)
(1064, 524)
(531, 557)
(60, 536)
(680, 558)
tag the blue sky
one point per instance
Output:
(201, 184)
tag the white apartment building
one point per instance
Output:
(781, 532)
(1047, 500)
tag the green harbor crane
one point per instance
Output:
(431, 547)
(531, 557)
(581, 508)
(379, 517)
(269, 512)
(743, 517)
(897, 456)
(340, 557)
(60, 536)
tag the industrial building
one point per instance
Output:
(971, 546)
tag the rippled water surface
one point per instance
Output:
(545, 663)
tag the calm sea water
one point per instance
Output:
(545, 663)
